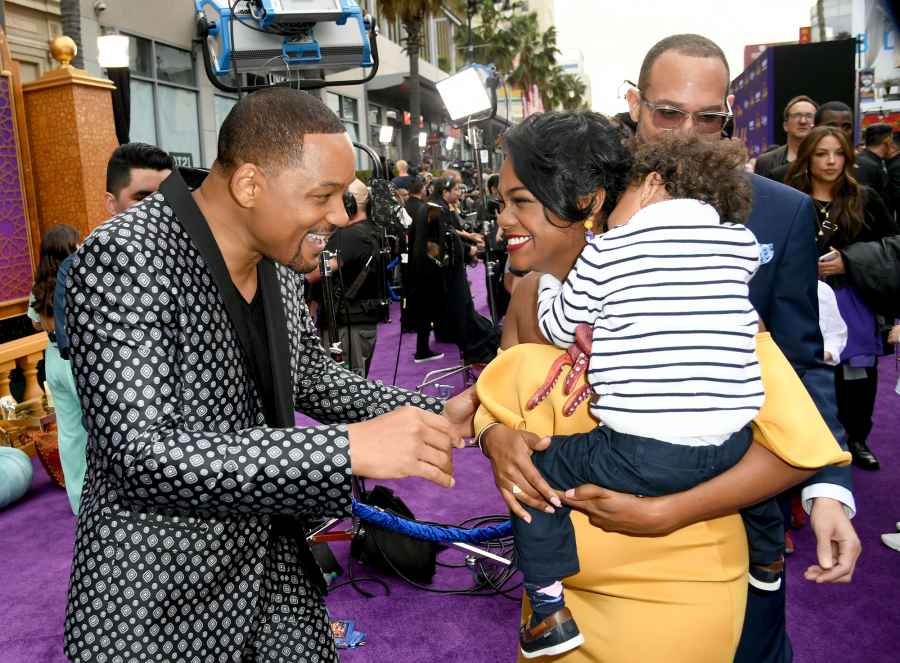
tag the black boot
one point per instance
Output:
(862, 455)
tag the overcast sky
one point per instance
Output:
(614, 35)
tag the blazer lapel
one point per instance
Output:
(279, 347)
(176, 193)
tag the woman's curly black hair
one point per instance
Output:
(691, 167)
(562, 158)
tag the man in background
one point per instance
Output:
(134, 171)
(358, 306)
(836, 114)
(691, 73)
(401, 181)
(871, 164)
(799, 116)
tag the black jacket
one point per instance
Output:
(874, 269)
(872, 172)
(769, 161)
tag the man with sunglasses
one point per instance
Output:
(799, 119)
(683, 87)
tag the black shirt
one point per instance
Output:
(254, 321)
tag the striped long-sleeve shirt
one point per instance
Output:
(673, 354)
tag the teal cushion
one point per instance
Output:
(15, 475)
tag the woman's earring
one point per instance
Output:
(589, 229)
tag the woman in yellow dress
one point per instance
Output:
(680, 593)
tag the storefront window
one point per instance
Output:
(347, 108)
(222, 106)
(164, 100)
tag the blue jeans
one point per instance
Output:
(545, 549)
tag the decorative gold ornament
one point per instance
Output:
(63, 49)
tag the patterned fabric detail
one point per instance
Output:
(174, 553)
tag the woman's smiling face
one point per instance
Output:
(533, 242)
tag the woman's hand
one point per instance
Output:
(620, 512)
(510, 454)
(831, 266)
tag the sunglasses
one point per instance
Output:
(669, 118)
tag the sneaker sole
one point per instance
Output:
(773, 586)
(555, 650)
(892, 546)
(427, 359)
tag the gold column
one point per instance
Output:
(72, 135)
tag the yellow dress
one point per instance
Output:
(675, 598)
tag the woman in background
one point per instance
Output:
(58, 244)
(848, 212)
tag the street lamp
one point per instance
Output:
(423, 139)
(386, 134)
(112, 51)
(450, 142)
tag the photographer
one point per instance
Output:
(358, 304)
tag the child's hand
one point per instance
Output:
(829, 358)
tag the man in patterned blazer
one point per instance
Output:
(192, 348)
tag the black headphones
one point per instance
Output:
(350, 205)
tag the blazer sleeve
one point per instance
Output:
(122, 319)
(794, 324)
(331, 394)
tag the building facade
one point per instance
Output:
(175, 106)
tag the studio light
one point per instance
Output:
(386, 134)
(423, 139)
(466, 93)
(112, 51)
(450, 142)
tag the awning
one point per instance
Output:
(393, 90)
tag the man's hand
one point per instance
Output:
(460, 412)
(510, 455)
(837, 545)
(408, 442)
(621, 512)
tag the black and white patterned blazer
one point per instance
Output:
(175, 555)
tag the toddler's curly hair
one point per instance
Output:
(690, 167)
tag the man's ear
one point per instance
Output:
(246, 184)
(109, 204)
(633, 97)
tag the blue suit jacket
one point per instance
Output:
(784, 294)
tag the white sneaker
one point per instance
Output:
(891, 541)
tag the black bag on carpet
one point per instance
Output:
(413, 558)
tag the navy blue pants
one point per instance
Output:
(545, 549)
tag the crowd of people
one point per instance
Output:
(188, 329)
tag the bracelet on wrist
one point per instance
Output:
(479, 439)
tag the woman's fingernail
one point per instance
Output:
(555, 501)
(549, 509)
(527, 519)
(570, 493)
(452, 482)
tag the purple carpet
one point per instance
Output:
(847, 623)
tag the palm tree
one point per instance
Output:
(70, 13)
(536, 64)
(412, 15)
(565, 91)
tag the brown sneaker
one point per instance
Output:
(558, 633)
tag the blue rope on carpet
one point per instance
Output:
(436, 533)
